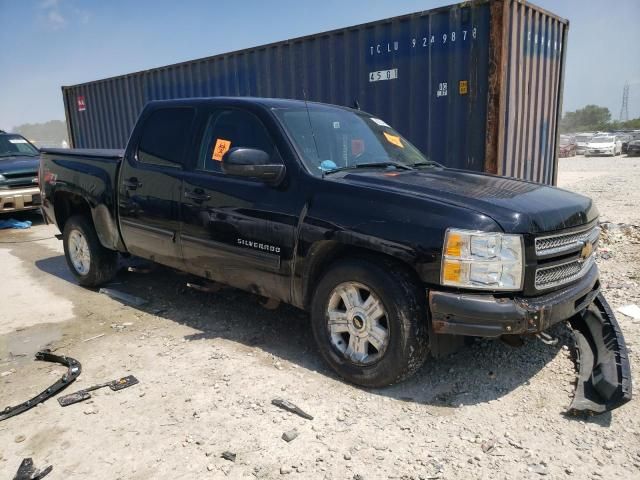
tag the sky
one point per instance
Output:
(49, 43)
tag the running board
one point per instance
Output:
(604, 372)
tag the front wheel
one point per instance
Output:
(90, 262)
(369, 321)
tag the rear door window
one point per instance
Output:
(230, 128)
(165, 136)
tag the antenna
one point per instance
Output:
(624, 110)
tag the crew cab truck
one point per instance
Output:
(332, 210)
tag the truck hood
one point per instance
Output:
(517, 206)
(19, 164)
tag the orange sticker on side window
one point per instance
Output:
(393, 139)
(220, 148)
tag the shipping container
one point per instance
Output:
(476, 85)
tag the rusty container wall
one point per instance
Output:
(533, 48)
(437, 76)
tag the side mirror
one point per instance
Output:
(253, 163)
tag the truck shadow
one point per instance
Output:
(481, 372)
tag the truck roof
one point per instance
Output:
(266, 102)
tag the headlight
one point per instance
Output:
(489, 261)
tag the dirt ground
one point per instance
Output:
(209, 365)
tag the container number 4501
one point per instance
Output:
(383, 75)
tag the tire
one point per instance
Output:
(404, 308)
(94, 264)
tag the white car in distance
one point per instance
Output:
(604, 145)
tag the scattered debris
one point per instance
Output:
(270, 303)
(515, 444)
(488, 445)
(13, 223)
(82, 395)
(124, 297)
(140, 269)
(539, 468)
(206, 287)
(604, 376)
(73, 370)
(26, 471)
(290, 407)
(290, 435)
(8, 372)
(631, 310)
(229, 456)
(19, 439)
(547, 339)
(93, 338)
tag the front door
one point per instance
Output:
(150, 184)
(235, 230)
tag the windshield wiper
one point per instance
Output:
(401, 166)
(429, 163)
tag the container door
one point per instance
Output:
(238, 231)
(150, 185)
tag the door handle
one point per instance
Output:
(131, 183)
(197, 195)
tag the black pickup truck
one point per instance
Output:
(333, 211)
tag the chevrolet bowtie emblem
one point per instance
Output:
(586, 251)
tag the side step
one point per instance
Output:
(604, 372)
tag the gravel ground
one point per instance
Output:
(209, 365)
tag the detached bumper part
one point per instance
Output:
(604, 372)
(73, 370)
(488, 316)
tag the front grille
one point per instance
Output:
(566, 242)
(20, 180)
(548, 277)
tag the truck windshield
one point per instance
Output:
(602, 140)
(332, 139)
(14, 145)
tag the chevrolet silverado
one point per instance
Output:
(332, 210)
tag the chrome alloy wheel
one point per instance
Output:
(79, 252)
(357, 323)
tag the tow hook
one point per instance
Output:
(547, 339)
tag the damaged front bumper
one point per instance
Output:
(488, 316)
(604, 378)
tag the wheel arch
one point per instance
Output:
(67, 204)
(324, 255)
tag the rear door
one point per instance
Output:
(236, 230)
(150, 184)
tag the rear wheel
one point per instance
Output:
(369, 322)
(90, 262)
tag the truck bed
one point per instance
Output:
(86, 152)
(83, 175)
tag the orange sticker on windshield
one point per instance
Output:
(393, 139)
(221, 147)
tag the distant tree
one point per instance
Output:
(591, 117)
(51, 133)
(633, 124)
